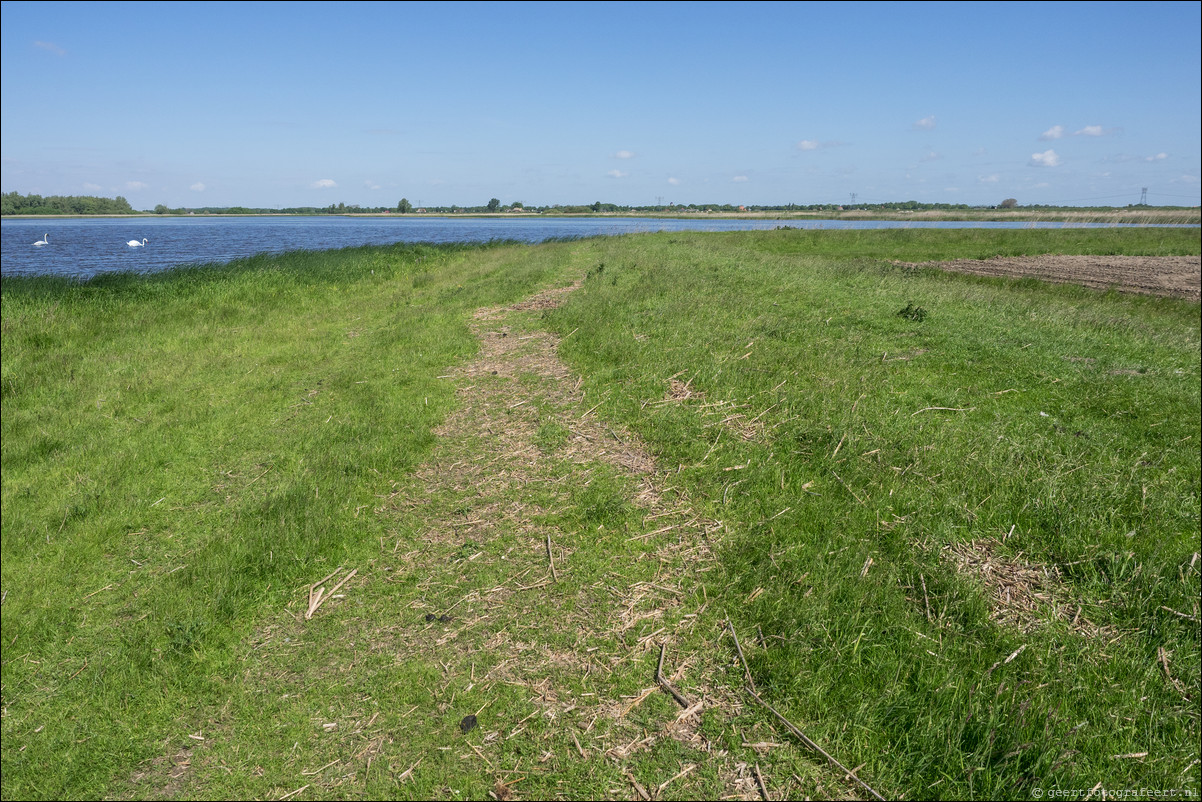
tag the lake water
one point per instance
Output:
(82, 248)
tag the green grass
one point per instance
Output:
(1074, 443)
(182, 453)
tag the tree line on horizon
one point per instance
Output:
(14, 203)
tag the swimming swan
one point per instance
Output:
(45, 241)
(133, 243)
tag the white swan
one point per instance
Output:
(45, 241)
(133, 243)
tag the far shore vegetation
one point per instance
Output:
(14, 204)
(484, 521)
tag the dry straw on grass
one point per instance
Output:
(1022, 595)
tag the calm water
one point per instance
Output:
(85, 248)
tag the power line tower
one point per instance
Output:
(853, 199)
(1143, 197)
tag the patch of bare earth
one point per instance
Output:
(1171, 276)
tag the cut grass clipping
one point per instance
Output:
(402, 522)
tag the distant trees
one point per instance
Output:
(404, 207)
(494, 205)
(16, 203)
(1008, 203)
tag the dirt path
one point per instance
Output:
(586, 609)
(509, 632)
(1172, 276)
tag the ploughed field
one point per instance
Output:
(1171, 276)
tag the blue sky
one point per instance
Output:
(307, 104)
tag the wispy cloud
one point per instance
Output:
(134, 186)
(674, 182)
(1094, 130)
(1049, 158)
(197, 187)
(925, 124)
(1055, 132)
(740, 179)
(931, 156)
(92, 187)
(371, 184)
(617, 174)
(324, 183)
(814, 144)
(53, 48)
(988, 179)
(1156, 158)
(624, 154)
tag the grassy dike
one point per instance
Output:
(967, 536)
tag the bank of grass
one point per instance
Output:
(181, 453)
(865, 431)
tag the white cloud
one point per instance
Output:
(324, 183)
(92, 187)
(739, 179)
(134, 186)
(926, 123)
(1090, 130)
(814, 144)
(674, 182)
(197, 187)
(988, 179)
(371, 184)
(1055, 132)
(951, 189)
(1156, 158)
(930, 157)
(1049, 158)
(617, 174)
(53, 48)
(624, 154)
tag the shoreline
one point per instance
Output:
(1162, 216)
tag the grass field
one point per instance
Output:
(954, 521)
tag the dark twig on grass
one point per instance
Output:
(801, 736)
(642, 792)
(759, 778)
(945, 409)
(742, 659)
(925, 597)
(845, 487)
(551, 558)
(659, 677)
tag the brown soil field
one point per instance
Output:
(1170, 276)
